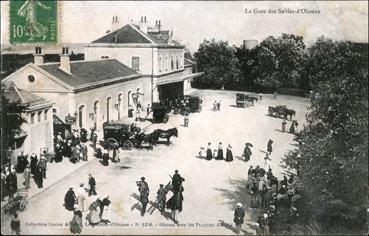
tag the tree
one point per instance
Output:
(218, 62)
(11, 121)
(333, 150)
(247, 62)
(280, 61)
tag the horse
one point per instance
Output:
(147, 138)
(166, 134)
(291, 113)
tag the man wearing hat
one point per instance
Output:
(143, 188)
(239, 214)
(70, 199)
(177, 180)
(269, 146)
(162, 197)
(92, 183)
(247, 152)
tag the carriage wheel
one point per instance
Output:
(127, 145)
(111, 143)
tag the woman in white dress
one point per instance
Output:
(81, 197)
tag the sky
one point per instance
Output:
(194, 21)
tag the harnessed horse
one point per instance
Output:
(147, 138)
(166, 134)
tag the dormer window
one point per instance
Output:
(31, 78)
(136, 63)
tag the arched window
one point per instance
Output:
(119, 105)
(96, 113)
(160, 64)
(108, 108)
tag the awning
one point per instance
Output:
(176, 78)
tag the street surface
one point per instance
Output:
(211, 188)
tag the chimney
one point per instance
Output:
(114, 24)
(143, 24)
(38, 57)
(64, 60)
(157, 25)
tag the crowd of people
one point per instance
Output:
(272, 196)
(216, 154)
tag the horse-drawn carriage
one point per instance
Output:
(244, 100)
(159, 113)
(281, 111)
(118, 134)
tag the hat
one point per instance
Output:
(89, 174)
(81, 184)
(209, 143)
(265, 215)
(142, 178)
(176, 171)
(161, 185)
(239, 204)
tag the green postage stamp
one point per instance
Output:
(33, 21)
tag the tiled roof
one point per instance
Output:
(86, 72)
(22, 97)
(131, 33)
(126, 34)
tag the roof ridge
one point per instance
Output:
(143, 34)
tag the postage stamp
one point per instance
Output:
(33, 21)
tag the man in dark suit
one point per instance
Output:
(92, 183)
(177, 180)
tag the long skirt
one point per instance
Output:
(93, 217)
(220, 154)
(229, 156)
(76, 225)
(209, 155)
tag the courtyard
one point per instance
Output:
(211, 188)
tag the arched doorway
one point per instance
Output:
(108, 109)
(120, 105)
(81, 116)
(96, 109)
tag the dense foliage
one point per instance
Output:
(218, 62)
(332, 159)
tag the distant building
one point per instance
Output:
(37, 131)
(250, 43)
(152, 52)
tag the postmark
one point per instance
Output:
(33, 21)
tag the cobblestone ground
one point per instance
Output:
(212, 188)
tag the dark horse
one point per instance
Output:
(166, 134)
(146, 138)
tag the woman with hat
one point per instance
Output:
(34, 161)
(209, 154)
(239, 214)
(229, 155)
(220, 152)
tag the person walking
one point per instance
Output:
(284, 126)
(229, 155)
(27, 177)
(292, 127)
(84, 152)
(269, 146)
(69, 199)
(76, 223)
(260, 96)
(11, 183)
(38, 177)
(275, 96)
(92, 184)
(218, 105)
(186, 120)
(143, 188)
(148, 109)
(81, 192)
(34, 161)
(209, 154)
(239, 215)
(43, 165)
(267, 160)
(15, 224)
(247, 152)
(162, 198)
(177, 180)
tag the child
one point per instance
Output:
(202, 153)
(186, 121)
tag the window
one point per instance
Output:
(177, 66)
(171, 64)
(160, 64)
(136, 63)
(39, 116)
(31, 78)
(104, 57)
(182, 61)
(32, 118)
(166, 63)
(45, 114)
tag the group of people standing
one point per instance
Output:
(293, 126)
(216, 105)
(216, 154)
(73, 147)
(174, 203)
